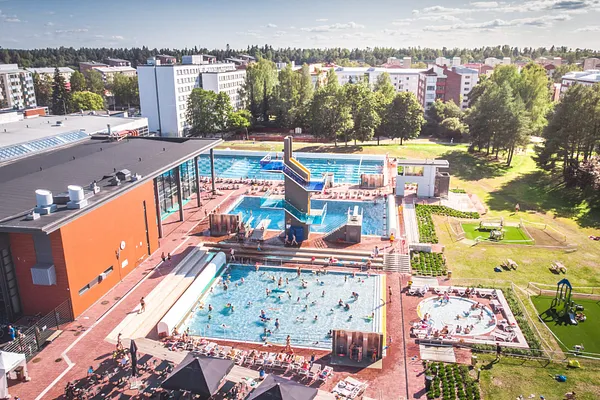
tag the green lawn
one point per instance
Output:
(511, 233)
(511, 377)
(585, 333)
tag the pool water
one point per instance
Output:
(236, 167)
(337, 211)
(442, 314)
(297, 318)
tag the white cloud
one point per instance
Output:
(49, 24)
(333, 27)
(318, 38)
(49, 13)
(395, 32)
(279, 34)
(591, 28)
(12, 19)
(415, 12)
(443, 17)
(117, 37)
(357, 35)
(322, 19)
(484, 4)
(99, 36)
(543, 21)
(271, 25)
(400, 23)
(70, 31)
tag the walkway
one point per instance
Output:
(410, 221)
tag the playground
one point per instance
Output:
(509, 234)
(575, 322)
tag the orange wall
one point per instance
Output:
(91, 242)
(36, 298)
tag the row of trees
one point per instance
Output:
(69, 56)
(87, 92)
(354, 111)
(208, 112)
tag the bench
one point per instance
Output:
(53, 336)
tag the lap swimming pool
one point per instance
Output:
(293, 305)
(373, 212)
(247, 165)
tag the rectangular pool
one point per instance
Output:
(373, 212)
(294, 306)
(247, 165)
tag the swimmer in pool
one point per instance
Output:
(232, 308)
(350, 318)
(307, 294)
(280, 282)
(341, 303)
(210, 307)
(346, 306)
(228, 305)
(313, 303)
(209, 317)
(323, 294)
(306, 307)
(249, 304)
(267, 291)
(211, 289)
(289, 294)
(316, 317)
(298, 300)
(345, 278)
(242, 279)
(276, 323)
(287, 281)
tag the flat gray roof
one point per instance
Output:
(30, 129)
(81, 164)
(421, 162)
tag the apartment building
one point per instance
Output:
(586, 78)
(493, 61)
(117, 62)
(85, 66)
(48, 74)
(16, 88)
(403, 79)
(441, 82)
(454, 62)
(165, 89)
(591, 63)
(351, 74)
(229, 82)
(556, 61)
(108, 73)
(404, 62)
(199, 59)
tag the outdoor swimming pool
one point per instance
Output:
(247, 165)
(337, 210)
(444, 314)
(296, 314)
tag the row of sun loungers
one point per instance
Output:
(349, 388)
(461, 291)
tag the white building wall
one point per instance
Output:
(17, 87)
(467, 83)
(425, 183)
(229, 82)
(404, 80)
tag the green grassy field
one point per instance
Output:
(511, 377)
(511, 233)
(585, 333)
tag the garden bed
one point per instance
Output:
(429, 264)
(452, 382)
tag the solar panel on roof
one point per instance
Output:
(73, 136)
(13, 151)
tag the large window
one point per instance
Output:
(167, 191)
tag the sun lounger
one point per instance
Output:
(325, 374)
(298, 361)
(415, 290)
(270, 360)
(461, 291)
(208, 348)
(504, 336)
(260, 360)
(314, 371)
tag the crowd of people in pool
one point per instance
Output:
(281, 290)
(476, 311)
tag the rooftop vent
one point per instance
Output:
(77, 197)
(44, 202)
(124, 175)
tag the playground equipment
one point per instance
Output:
(491, 225)
(557, 267)
(509, 264)
(496, 234)
(562, 305)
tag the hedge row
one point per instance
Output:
(452, 382)
(430, 264)
(427, 229)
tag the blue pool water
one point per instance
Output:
(337, 210)
(444, 314)
(236, 167)
(296, 318)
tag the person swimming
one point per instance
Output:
(249, 304)
(316, 317)
(210, 307)
(323, 294)
(341, 303)
(346, 306)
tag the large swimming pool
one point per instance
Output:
(457, 311)
(306, 314)
(247, 165)
(337, 211)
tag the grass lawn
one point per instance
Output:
(511, 233)
(585, 333)
(511, 377)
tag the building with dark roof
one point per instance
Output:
(75, 220)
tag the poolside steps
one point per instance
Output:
(397, 262)
(298, 255)
(163, 296)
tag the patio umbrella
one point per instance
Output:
(277, 388)
(198, 374)
(133, 352)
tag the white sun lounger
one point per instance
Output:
(504, 336)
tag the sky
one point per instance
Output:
(299, 23)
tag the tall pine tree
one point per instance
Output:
(61, 97)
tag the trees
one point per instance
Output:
(87, 101)
(445, 119)
(207, 112)
(95, 83)
(43, 90)
(285, 100)
(329, 114)
(78, 82)
(239, 120)
(404, 117)
(534, 91)
(383, 85)
(61, 97)
(363, 109)
(125, 89)
(261, 78)
(384, 94)
(498, 121)
(306, 91)
(572, 135)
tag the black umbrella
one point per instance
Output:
(198, 374)
(278, 388)
(133, 352)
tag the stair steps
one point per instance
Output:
(396, 262)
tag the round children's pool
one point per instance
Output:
(457, 312)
